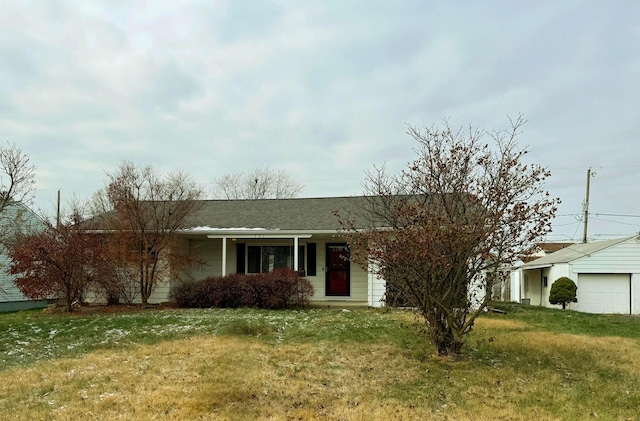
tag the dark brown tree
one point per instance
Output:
(57, 262)
(148, 211)
(440, 231)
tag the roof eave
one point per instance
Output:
(256, 233)
(526, 267)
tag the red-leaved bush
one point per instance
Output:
(281, 288)
(60, 261)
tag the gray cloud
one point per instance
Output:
(323, 90)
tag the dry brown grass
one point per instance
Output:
(209, 378)
(528, 374)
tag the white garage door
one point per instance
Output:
(604, 293)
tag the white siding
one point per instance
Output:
(620, 258)
(477, 291)
(209, 251)
(359, 284)
(377, 287)
(8, 290)
(161, 293)
(635, 293)
(531, 286)
(516, 285)
(13, 217)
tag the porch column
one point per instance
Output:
(224, 256)
(295, 253)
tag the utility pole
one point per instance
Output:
(58, 212)
(586, 207)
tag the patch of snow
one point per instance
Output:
(206, 228)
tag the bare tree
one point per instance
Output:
(17, 184)
(261, 183)
(148, 212)
(440, 231)
(17, 174)
(98, 204)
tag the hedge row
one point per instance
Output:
(278, 289)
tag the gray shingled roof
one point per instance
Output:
(283, 214)
(571, 253)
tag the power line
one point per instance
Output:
(594, 166)
(567, 224)
(617, 222)
(618, 214)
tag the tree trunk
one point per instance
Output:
(69, 302)
(451, 348)
(144, 296)
(143, 290)
(444, 339)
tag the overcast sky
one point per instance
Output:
(323, 90)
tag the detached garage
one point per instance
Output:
(604, 293)
(607, 274)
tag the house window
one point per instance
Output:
(545, 281)
(261, 259)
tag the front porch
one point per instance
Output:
(320, 256)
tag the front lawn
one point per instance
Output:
(531, 363)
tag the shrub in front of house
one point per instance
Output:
(223, 292)
(189, 294)
(563, 291)
(278, 289)
(281, 288)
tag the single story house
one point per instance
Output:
(15, 216)
(607, 274)
(252, 236)
(538, 251)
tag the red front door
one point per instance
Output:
(337, 281)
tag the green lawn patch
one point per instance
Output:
(531, 363)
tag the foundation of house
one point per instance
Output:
(338, 304)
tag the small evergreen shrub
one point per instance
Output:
(563, 291)
(281, 288)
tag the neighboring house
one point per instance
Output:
(607, 274)
(543, 249)
(15, 216)
(540, 250)
(252, 236)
